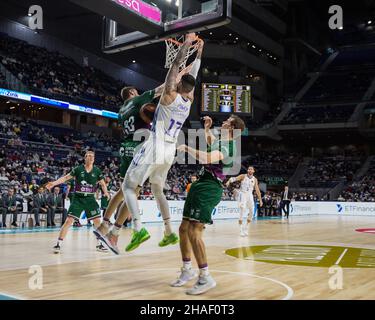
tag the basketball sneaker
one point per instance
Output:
(57, 248)
(185, 276)
(137, 238)
(101, 232)
(203, 284)
(167, 240)
(101, 248)
(110, 240)
(245, 232)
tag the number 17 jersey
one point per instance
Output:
(168, 120)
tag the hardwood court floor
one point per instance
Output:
(80, 272)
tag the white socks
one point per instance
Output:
(163, 207)
(187, 265)
(203, 272)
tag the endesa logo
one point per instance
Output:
(131, 4)
(146, 10)
(339, 208)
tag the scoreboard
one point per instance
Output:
(226, 98)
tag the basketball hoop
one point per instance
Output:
(173, 46)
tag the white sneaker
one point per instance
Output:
(185, 276)
(246, 232)
(242, 233)
(203, 284)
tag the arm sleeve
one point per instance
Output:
(195, 68)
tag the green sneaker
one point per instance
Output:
(137, 238)
(167, 240)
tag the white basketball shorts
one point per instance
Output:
(152, 162)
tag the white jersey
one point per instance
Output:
(248, 184)
(168, 120)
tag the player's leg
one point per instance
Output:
(241, 205)
(138, 172)
(157, 179)
(115, 201)
(111, 239)
(74, 212)
(63, 232)
(169, 236)
(118, 197)
(250, 206)
(93, 214)
(99, 245)
(205, 281)
(205, 197)
(187, 272)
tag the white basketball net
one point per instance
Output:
(173, 46)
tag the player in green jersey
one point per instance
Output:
(204, 195)
(131, 119)
(86, 176)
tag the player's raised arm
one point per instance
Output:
(61, 180)
(210, 138)
(171, 78)
(195, 66)
(202, 156)
(235, 179)
(159, 90)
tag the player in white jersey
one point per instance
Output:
(156, 156)
(245, 198)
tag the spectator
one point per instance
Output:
(40, 206)
(9, 206)
(56, 205)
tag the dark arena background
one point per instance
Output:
(298, 225)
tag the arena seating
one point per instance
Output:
(308, 114)
(54, 75)
(328, 171)
(363, 189)
(34, 151)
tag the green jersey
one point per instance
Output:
(228, 149)
(129, 117)
(86, 183)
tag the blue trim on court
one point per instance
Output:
(44, 229)
(37, 230)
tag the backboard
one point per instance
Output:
(135, 23)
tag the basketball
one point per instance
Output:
(147, 112)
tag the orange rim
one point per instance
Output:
(176, 42)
